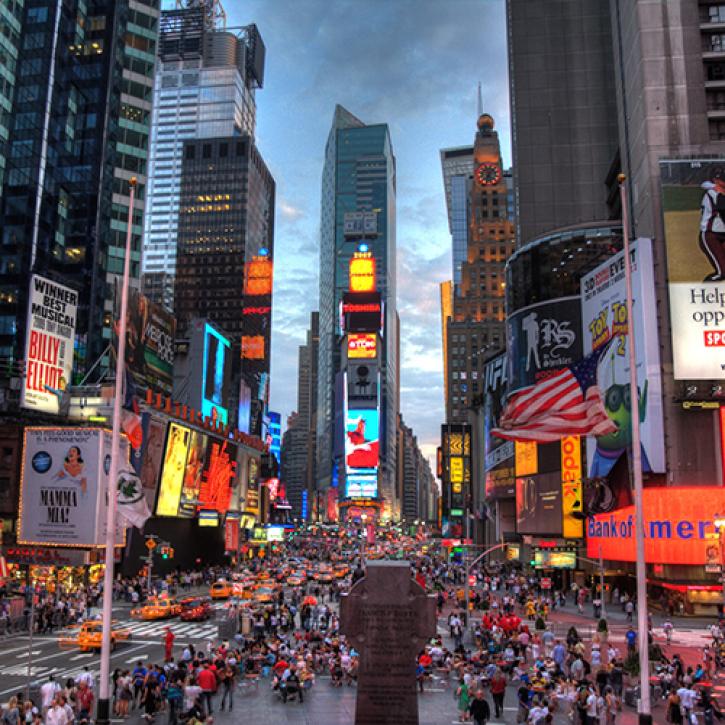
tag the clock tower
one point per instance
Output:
(477, 328)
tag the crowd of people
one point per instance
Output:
(288, 644)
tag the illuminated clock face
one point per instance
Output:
(488, 174)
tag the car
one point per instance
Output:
(157, 608)
(341, 570)
(90, 635)
(264, 595)
(220, 590)
(195, 609)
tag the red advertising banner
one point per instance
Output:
(678, 523)
(231, 535)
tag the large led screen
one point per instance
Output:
(216, 359)
(362, 440)
(174, 468)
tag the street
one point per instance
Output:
(323, 704)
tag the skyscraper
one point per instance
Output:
(225, 232)
(77, 131)
(563, 112)
(299, 441)
(358, 179)
(475, 328)
(204, 88)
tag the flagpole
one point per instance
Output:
(644, 707)
(104, 709)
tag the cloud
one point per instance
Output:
(289, 212)
(415, 65)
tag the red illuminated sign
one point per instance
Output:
(253, 347)
(258, 279)
(218, 477)
(257, 310)
(678, 523)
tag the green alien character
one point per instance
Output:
(610, 447)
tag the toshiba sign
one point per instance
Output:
(678, 526)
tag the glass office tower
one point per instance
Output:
(77, 131)
(358, 176)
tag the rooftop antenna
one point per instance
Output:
(480, 100)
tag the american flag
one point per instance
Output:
(567, 403)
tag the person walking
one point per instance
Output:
(479, 709)
(498, 691)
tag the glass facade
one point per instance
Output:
(197, 94)
(226, 216)
(358, 176)
(78, 131)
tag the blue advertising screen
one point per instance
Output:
(361, 485)
(217, 351)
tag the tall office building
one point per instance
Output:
(475, 327)
(204, 88)
(10, 21)
(358, 205)
(563, 112)
(226, 235)
(299, 441)
(77, 130)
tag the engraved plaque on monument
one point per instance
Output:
(387, 617)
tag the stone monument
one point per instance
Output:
(388, 618)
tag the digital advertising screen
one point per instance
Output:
(217, 351)
(362, 345)
(362, 441)
(538, 504)
(218, 475)
(191, 486)
(361, 485)
(173, 470)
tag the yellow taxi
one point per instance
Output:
(157, 608)
(90, 634)
(220, 590)
(341, 570)
(264, 595)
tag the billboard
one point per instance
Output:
(542, 339)
(217, 350)
(498, 453)
(218, 476)
(693, 205)
(150, 332)
(362, 272)
(173, 470)
(253, 347)
(604, 318)
(363, 485)
(678, 527)
(361, 440)
(152, 456)
(49, 340)
(258, 277)
(191, 483)
(63, 486)
(538, 504)
(362, 345)
(362, 312)
(571, 488)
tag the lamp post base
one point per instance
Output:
(103, 712)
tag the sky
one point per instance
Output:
(415, 65)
